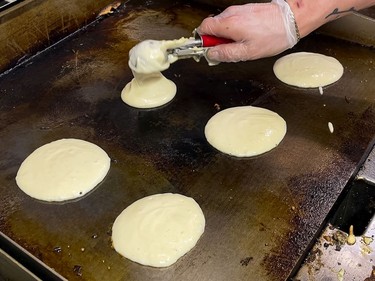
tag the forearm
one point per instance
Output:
(311, 14)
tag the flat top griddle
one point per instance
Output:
(262, 213)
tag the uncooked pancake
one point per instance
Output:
(62, 170)
(149, 88)
(245, 131)
(159, 229)
(308, 70)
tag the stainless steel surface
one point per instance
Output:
(367, 171)
(33, 25)
(16, 263)
(333, 259)
(193, 48)
(11, 269)
(355, 27)
(262, 213)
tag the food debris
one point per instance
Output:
(321, 90)
(366, 249)
(339, 239)
(109, 9)
(367, 240)
(351, 238)
(217, 106)
(330, 127)
(57, 249)
(340, 274)
(246, 261)
(372, 277)
(315, 255)
(329, 242)
(77, 269)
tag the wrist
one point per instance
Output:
(307, 16)
(311, 14)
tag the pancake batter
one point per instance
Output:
(159, 229)
(62, 170)
(308, 70)
(150, 88)
(245, 131)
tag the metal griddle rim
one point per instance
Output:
(25, 258)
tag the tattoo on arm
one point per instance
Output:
(336, 12)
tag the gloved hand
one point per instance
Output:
(258, 29)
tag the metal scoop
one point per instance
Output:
(197, 46)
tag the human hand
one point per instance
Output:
(258, 29)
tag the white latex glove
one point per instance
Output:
(258, 29)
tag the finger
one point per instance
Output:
(218, 24)
(233, 52)
(220, 27)
(208, 26)
(230, 11)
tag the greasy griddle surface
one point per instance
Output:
(261, 213)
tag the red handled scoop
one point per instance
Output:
(197, 46)
(211, 41)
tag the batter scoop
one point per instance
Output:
(149, 58)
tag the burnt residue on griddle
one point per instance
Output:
(172, 136)
(315, 191)
(171, 141)
(356, 125)
(246, 261)
(280, 260)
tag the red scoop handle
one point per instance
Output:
(210, 41)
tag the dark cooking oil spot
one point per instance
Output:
(109, 231)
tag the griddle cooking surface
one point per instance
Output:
(261, 213)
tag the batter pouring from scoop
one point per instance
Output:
(149, 58)
(149, 88)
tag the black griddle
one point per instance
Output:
(262, 213)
